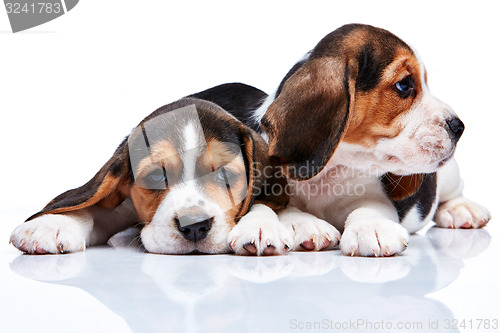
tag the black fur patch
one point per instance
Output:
(238, 99)
(371, 68)
(423, 198)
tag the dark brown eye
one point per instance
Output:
(406, 87)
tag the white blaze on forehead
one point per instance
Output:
(193, 142)
(192, 136)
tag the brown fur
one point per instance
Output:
(402, 187)
(376, 113)
(146, 202)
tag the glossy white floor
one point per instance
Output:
(446, 278)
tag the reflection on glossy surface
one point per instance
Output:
(223, 293)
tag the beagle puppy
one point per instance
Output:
(363, 142)
(189, 173)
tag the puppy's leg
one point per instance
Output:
(74, 231)
(373, 230)
(456, 211)
(309, 232)
(54, 233)
(260, 232)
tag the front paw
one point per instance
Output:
(461, 213)
(49, 234)
(374, 237)
(310, 233)
(260, 232)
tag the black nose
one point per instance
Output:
(194, 227)
(456, 128)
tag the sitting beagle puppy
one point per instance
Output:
(190, 173)
(362, 141)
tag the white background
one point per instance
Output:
(72, 89)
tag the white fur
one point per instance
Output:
(73, 231)
(193, 139)
(461, 213)
(368, 232)
(261, 229)
(54, 233)
(306, 227)
(259, 113)
(162, 234)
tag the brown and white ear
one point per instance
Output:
(107, 189)
(401, 187)
(266, 182)
(307, 119)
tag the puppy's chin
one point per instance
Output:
(408, 156)
(426, 162)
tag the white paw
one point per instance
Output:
(50, 234)
(309, 232)
(260, 232)
(373, 237)
(461, 213)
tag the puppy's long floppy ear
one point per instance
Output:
(107, 189)
(307, 119)
(266, 182)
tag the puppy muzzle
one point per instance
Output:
(194, 226)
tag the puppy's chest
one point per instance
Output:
(333, 191)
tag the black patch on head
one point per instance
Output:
(214, 126)
(370, 68)
(238, 99)
(423, 198)
(378, 52)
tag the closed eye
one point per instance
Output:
(225, 176)
(156, 180)
(406, 87)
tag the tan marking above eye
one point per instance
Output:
(215, 157)
(217, 154)
(163, 155)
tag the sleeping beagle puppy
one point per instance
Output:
(362, 141)
(189, 173)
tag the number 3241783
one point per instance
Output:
(33, 8)
(484, 324)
